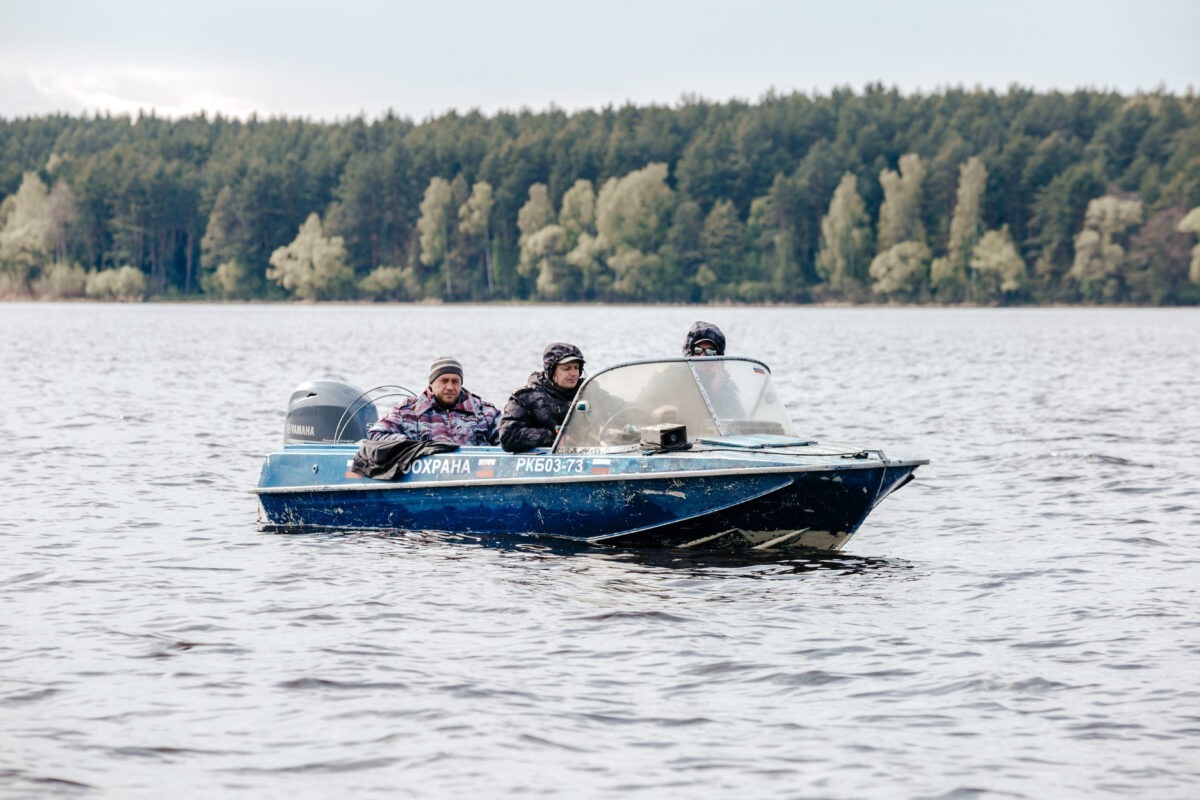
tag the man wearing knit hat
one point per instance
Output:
(444, 412)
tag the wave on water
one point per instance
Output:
(1018, 622)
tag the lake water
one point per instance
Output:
(1023, 621)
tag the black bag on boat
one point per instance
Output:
(388, 460)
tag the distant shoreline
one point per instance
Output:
(829, 304)
(956, 197)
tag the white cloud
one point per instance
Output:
(366, 56)
(23, 97)
(127, 90)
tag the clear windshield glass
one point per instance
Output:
(712, 397)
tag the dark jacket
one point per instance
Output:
(536, 410)
(389, 460)
(701, 331)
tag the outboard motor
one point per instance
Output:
(328, 411)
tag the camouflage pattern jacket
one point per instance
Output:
(471, 420)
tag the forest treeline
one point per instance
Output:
(958, 196)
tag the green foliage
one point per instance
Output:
(62, 214)
(770, 244)
(948, 275)
(723, 243)
(547, 250)
(1191, 224)
(845, 238)
(588, 259)
(224, 235)
(25, 233)
(313, 266)
(536, 214)
(683, 255)
(232, 280)
(633, 211)
(1058, 212)
(1099, 256)
(125, 283)
(202, 203)
(1156, 270)
(901, 271)
(61, 280)
(387, 283)
(632, 216)
(998, 268)
(473, 245)
(578, 213)
(900, 214)
(434, 222)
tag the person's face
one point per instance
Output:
(566, 376)
(704, 347)
(446, 388)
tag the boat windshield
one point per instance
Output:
(711, 396)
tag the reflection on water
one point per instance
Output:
(1018, 621)
(745, 563)
(755, 564)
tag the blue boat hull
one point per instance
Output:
(790, 497)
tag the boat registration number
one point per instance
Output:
(527, 464)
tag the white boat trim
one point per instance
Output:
(376, 486)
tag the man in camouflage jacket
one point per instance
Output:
(535, 411)
(444, 412)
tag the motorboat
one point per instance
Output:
(676, 452)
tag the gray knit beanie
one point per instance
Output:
(442, 366)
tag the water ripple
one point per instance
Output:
(1020, 622)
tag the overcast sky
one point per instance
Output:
(334, 60)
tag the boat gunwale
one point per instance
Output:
(542, 480)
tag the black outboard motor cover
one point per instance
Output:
(319, 408)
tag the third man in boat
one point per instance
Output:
(535, 411)
(704, 339)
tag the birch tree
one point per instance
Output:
(62, 213)
(1191, 224)
(948, 274)
(1099, 257)
(578, 212)
(474, 222)
(900, 214)
(577, 216)
(537, 213)
(997, 264)
(587, 259)
(632, 216)
(25, 235)
(127, 283)
(900, 271)
(434, 226)
(842, 259)
(547, 250)
(61, 279)
(313, 266)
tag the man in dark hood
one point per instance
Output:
(704, 339)
(535, 411)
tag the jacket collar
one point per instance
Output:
(427, 401)
(539, 380)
